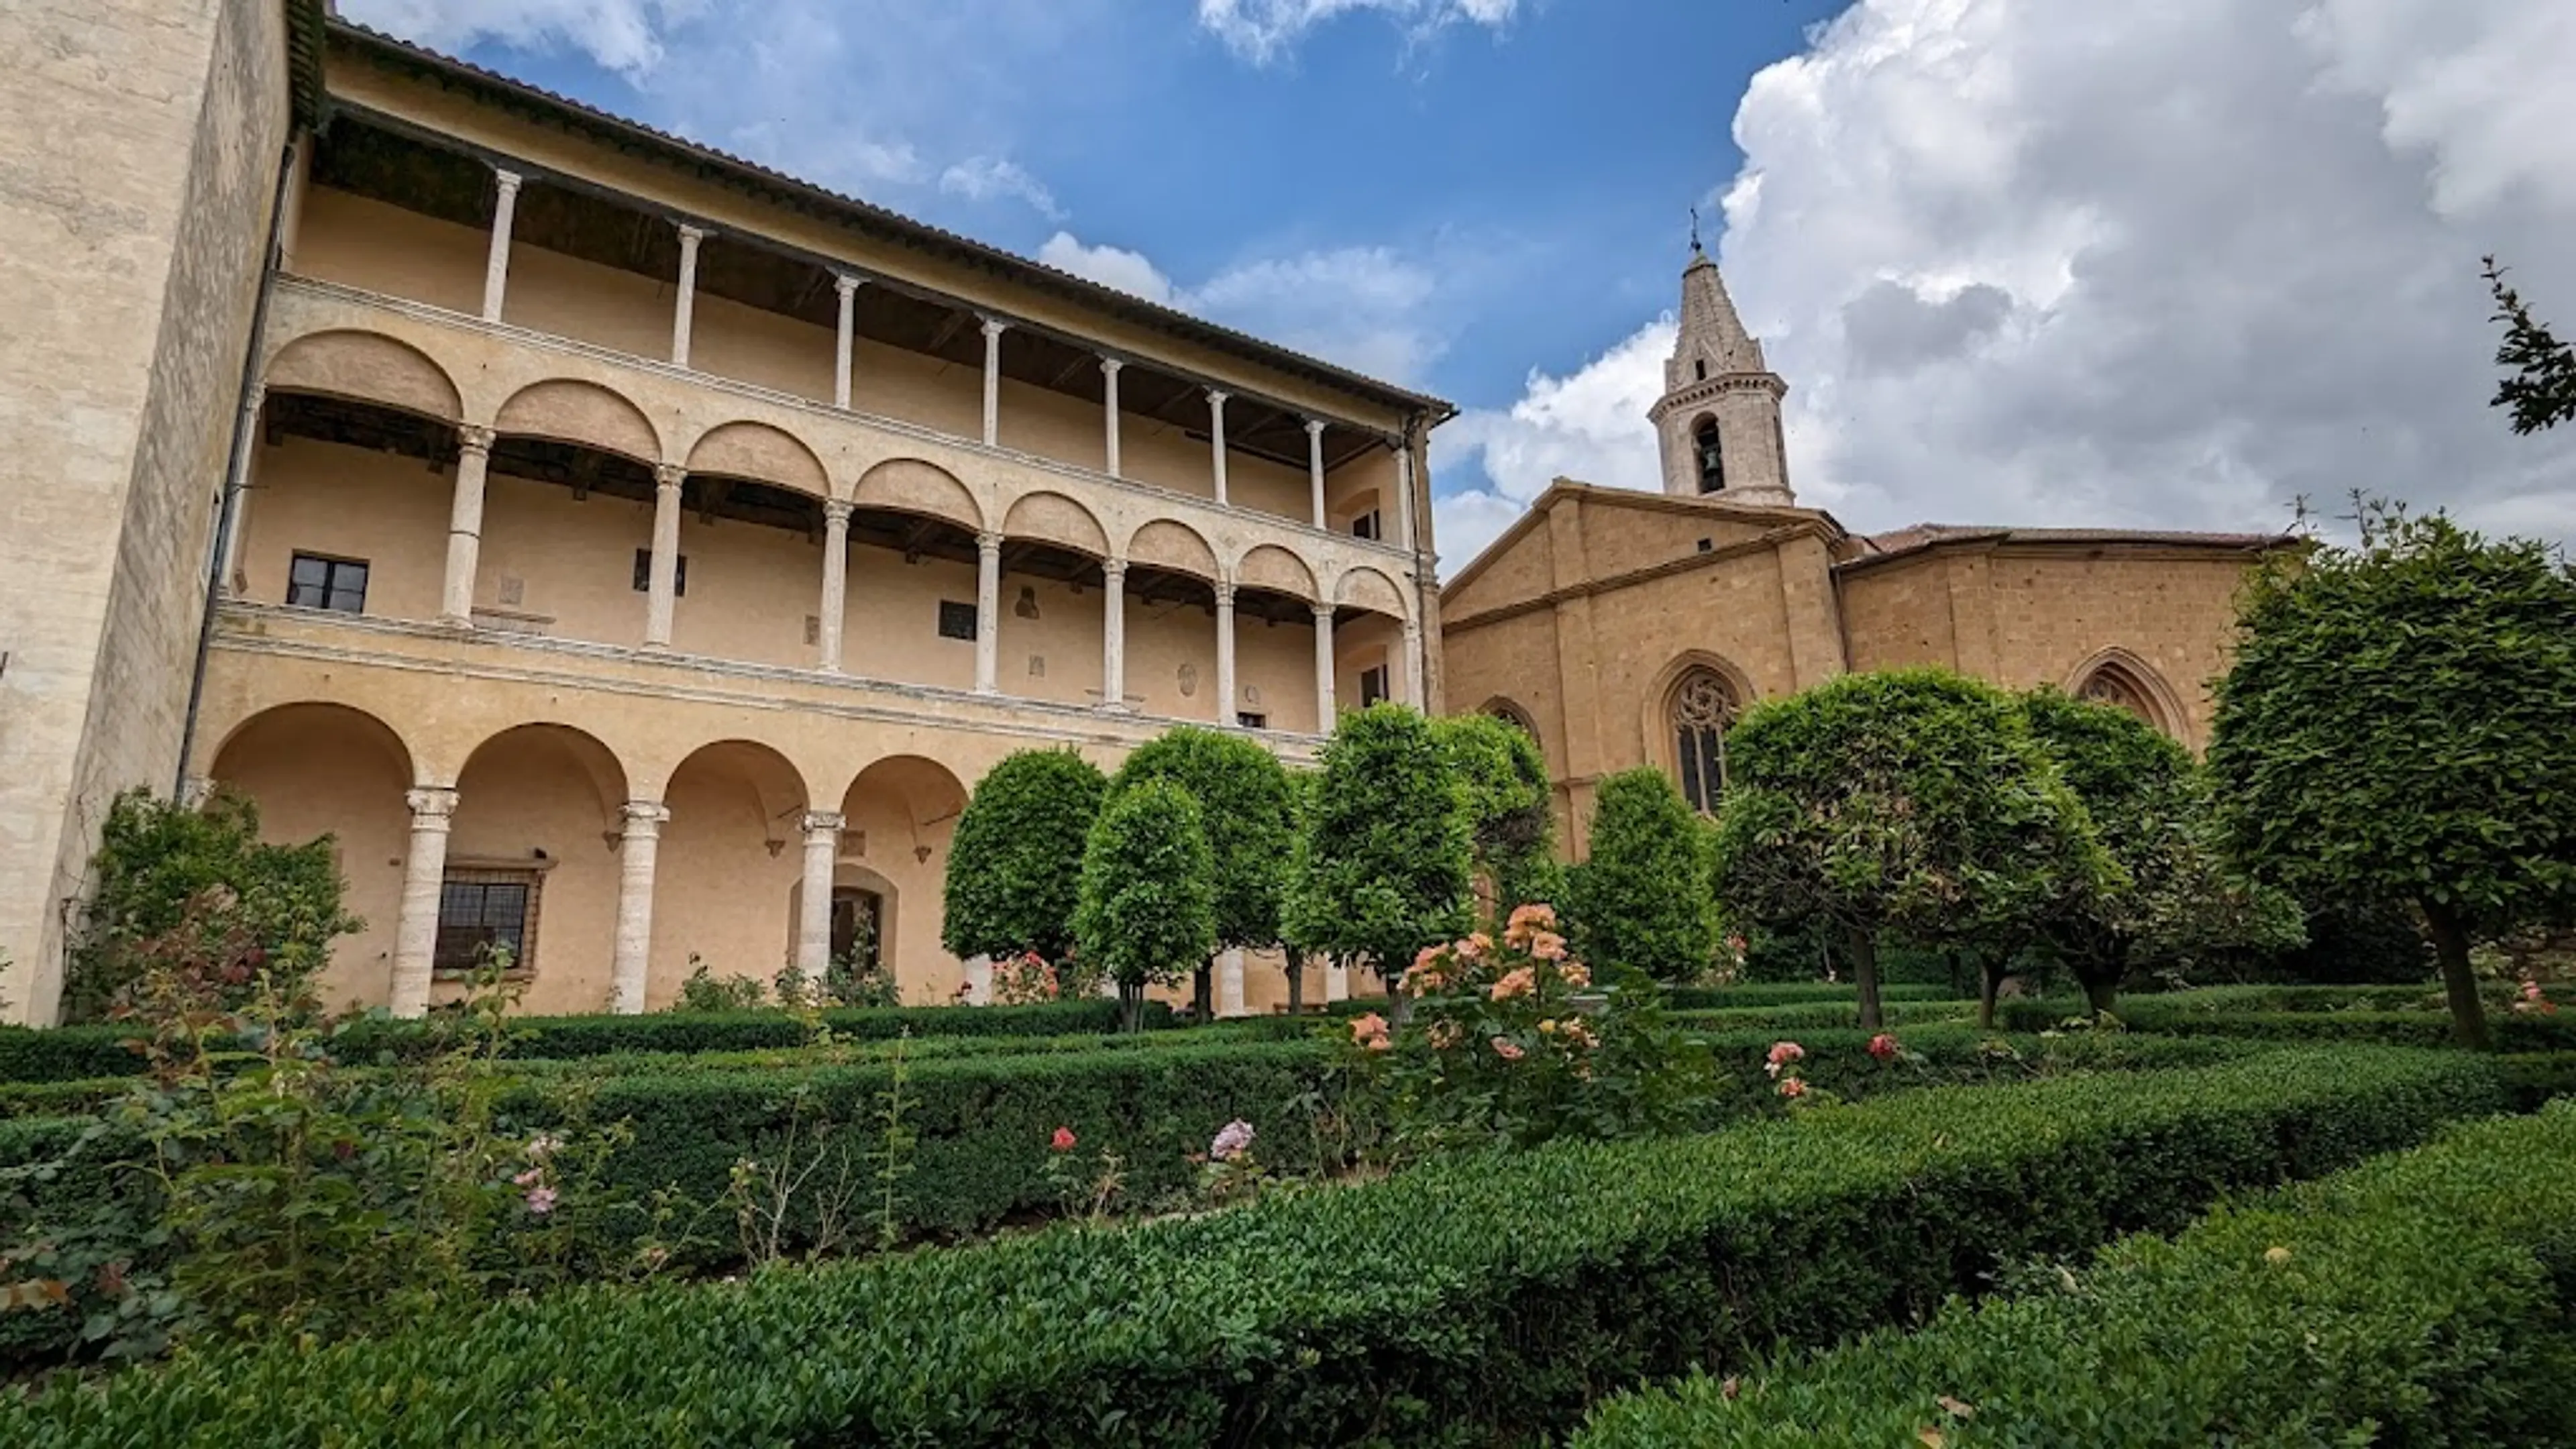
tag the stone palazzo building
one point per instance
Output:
(1625, 629)
(631, 555)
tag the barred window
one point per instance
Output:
(482, 911)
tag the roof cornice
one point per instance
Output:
(1766, 542)
(1814, 520)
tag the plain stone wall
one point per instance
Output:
(139, 143)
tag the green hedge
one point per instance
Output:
(72, 1053)
(1823, 1015)
(2420, 996)
(1461, 1302)
(2512, 1031)
(2421, 1299)
(1793, 993)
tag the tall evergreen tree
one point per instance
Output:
(1244, 804)
(1640, 900)
(1015, 863)
(1382, 865)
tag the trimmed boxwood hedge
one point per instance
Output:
(2512, 1032)
(2420, 1299)
(1458, 1303)
(72, 1053)
(1796, 993)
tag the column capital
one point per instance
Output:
(473, 438)
(507, 179)
(1225, 596)
(670, 475)
(838, 510)
(847, 283)
(254, 395)
(1324, 613)
(816, 823)
(1315, 427)
(432, 807)
(989, 543)
(1217, 397)
(1412, 629)
(994, 327)
(644, 817)
(1113, 569)
(1111, 365)
(690, 236)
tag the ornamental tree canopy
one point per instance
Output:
(1015, 864)
(1505, 779)
(1245, 807)
(1148, 895)
(1382, 865)
(1640, 900)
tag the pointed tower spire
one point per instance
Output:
(1719, 418)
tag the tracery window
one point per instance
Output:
(1703, 709)
(2112, 685)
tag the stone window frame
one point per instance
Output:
(1663, 716)
(332, 564)
(532, 875)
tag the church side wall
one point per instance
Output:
(138, 147)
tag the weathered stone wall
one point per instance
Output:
(139, 141)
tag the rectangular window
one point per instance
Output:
(1367, 526)
(1373, 686)
(480, 911)
(1252, 721)
(644, 573)
(316, 582)
(956, 620)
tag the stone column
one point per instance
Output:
(1225, 690)
(416, 923)
(228, 557)
(1323, 669)
(836, 583)
(993, 381)
(663, 582)
(988, 612)
(1229, 983)
(979, 981)
(1404, 497)
(814, 902)
(1315, 465)
(496, 266)
(686, 306)
(1412, 672)
(633, 954)
(1113, 635)
(1337, 981)
(1216, 440)
(848, 288)
(1109, 405)
(465, 526)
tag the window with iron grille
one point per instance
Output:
(314, 581)
(956, 620)
(480, 911)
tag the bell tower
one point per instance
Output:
(1719, 419)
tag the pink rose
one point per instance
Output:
(541, 1200)
(1793, 1088)
(1508, 1049)
(1063, 1140)
(1883, 1046)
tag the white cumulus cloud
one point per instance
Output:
(626, 36)
(1129, 272)
(983, 178)
(2141, 265)
(1262, 31)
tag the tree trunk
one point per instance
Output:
(1296, 983)
(1131, 1006)
(1399, 1007)
(2459, 981)
(1990, 981)
(1864, 960)
(1203, 993)
(1958, 977)
(2101, 993)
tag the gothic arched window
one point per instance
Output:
(1712, 459)
(2123, 686)
(1703, 709)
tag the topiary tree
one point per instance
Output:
(1243, 796)
(157, 859)
(2175, 897)
(1640, 901)
(2401, 722)
(1015, 864)
(1511, 828)
(1148, 900)
(1382, 863)
(1914, 803)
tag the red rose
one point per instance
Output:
(1063, 1140)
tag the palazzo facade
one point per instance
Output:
(629, 555)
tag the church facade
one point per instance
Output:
(1624, 629)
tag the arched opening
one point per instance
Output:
(1512, 714)
(1699, 711)
(1708, 447)
(727, 873)
(327, 769)
(348, 505)
(532, 866)
(897, 818)
(2123, 681)
(1368, 641)
(1054, 622)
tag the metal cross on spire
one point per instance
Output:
(1694, 211)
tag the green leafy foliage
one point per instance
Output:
(2540, 388)
(1510, 823)
(1640, 903)
(1148, 909)
(2396, 726)
(1464, 1301)
(1382, 865)
(1015, 863)
(1913, 803)
(2175, 900)
(2418, 1299)
(156, 860)
(1247, 810)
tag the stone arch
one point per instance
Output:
(1510, 712)
(2120, 678)
(366, 367)
(909, 485)
(578, 752)
(1057, 519)
(573, 411)
(1695, 700)
(761, 452)
(898, 816)
(728, 865)
(776, 786)
(381, 740)
(1268, 566)
(1364, 587)
(1167, 544)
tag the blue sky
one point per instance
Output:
(2021, 261)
